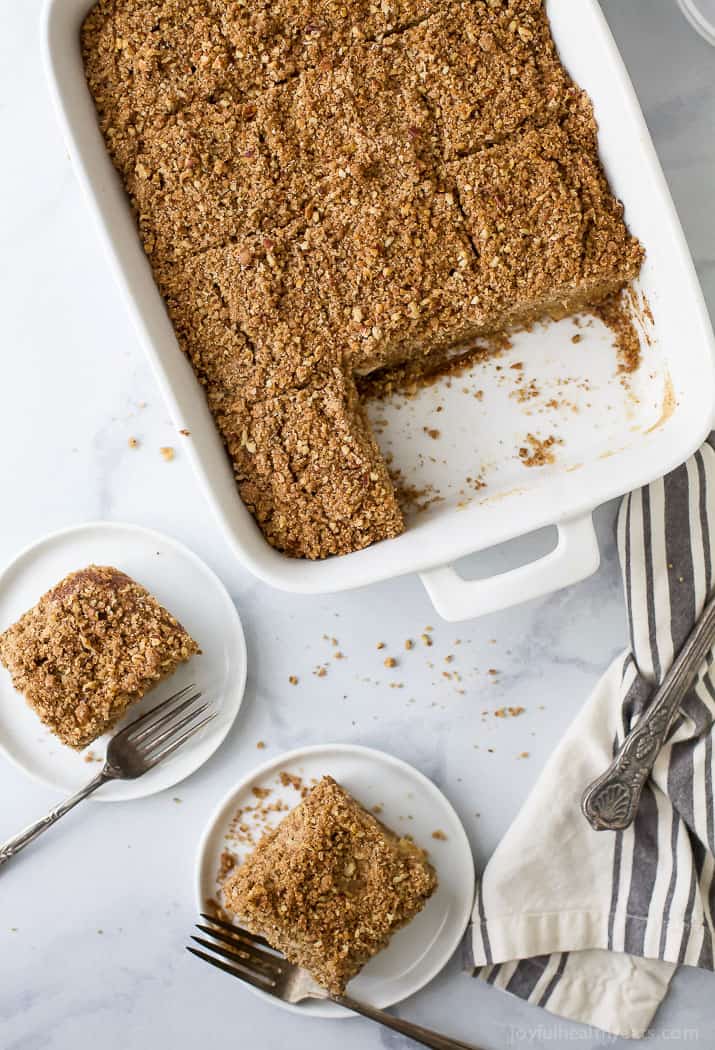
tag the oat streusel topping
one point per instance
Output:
(91, 647)
(328, 188)
(330, 885)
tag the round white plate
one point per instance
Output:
(701, 15)
(188, 589)
(411, 804)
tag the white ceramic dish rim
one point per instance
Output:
(217, 738)
(698, 20)
(553, 502)
(287, 757)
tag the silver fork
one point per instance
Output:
(251, 959)
(132, 752)
(611, 802)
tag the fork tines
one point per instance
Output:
(240, 953)
(154, 712)
(160, 731)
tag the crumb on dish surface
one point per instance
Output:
(90, 648)
(329, 885)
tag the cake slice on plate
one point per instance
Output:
(330, 885)
(92, 646)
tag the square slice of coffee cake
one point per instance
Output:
(90, 648)
(330, 885)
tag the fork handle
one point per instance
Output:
(611, 802)
(425, 1036)
(13, 846)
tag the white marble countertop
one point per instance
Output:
(93, 923)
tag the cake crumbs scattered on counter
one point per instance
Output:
(185, 432)
(390, 661)
(523, 754)
(261, 745)
(439, 835)
(293, 679)
(133, 442)
(167, 453)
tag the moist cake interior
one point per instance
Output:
(325, 189)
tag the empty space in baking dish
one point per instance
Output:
(548, 405)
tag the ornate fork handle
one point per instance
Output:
(18, 842)
(415, 1031)
(611, 802)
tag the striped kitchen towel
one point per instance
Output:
(591, 925)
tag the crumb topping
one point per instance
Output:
(325, 190)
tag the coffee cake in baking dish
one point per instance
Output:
(324, 189)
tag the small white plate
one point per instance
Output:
(188, 589)
(701, 15)
(411, 804)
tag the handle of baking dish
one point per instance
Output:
(575, 556)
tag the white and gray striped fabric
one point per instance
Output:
(591, 925)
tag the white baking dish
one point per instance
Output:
(614, 436)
